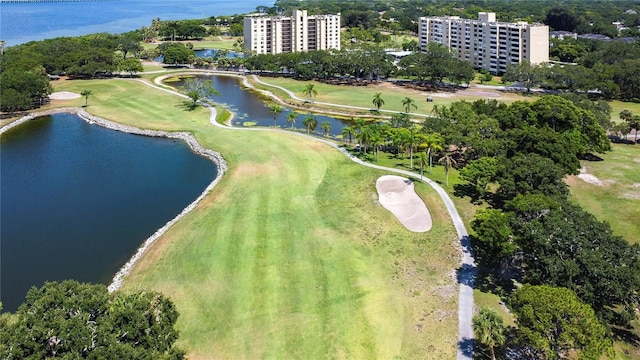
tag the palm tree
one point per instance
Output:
(310, 91)
(448, 163)
(421, 156)
(376, 139)
(326, 127)
(348, 132)
(408, 103)
(398, 138)
(489, 329)
(310, 123)
(291, 118)
(433, 142)
(364, 137)
(377, 101)
(275, 109)
(86, 93)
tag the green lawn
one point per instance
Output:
(392, 95)
(617, 106)
(291, 256)
(617, 201)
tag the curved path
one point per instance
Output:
(294, 96)
(465, 274)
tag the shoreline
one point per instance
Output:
(188, 138)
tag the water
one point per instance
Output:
(77, 200)
(207, 53)
(24, 22)
(248, 107)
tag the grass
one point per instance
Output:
(617, 201)
(392, 95)
(291, 256)
(210, 42)
(496, 81)
(617, 106)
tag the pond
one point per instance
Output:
(250, 109)
(77, 199)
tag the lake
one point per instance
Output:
(24, 22)
(77, 199)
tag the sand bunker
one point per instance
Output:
(64, 95)
(397, 195)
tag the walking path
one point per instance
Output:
(294, 96)
(466, 273)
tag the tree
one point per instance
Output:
(632, 121)
(13, 100)
(378, 101)
(276, 110)
(485, 76)
(177, 53)
(197, 88)
(86, 93)
(73, 320)
(489, 330)
(448, 163)
(433, 142)
(562, 245)
(348, 132)
(326, 127)
(530, 75)
(561, 19)
(131, 66)
(408, 103)
(310, 91)
(291, 118)
(530, 174)
(310, 123)
(479, 174)
(555, 322)
(494, 239)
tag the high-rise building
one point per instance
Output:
(265, 34)
(486, 43)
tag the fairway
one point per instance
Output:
(291, 256)
(616, 199)
(391, 94)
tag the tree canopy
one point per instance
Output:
(554, 322)
(77, 320)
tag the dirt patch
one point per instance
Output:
(589, 178)
(64, 95)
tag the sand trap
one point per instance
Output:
(64, 95)
(397, 195)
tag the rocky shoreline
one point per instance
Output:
(193, 144)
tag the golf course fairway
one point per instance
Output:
(290, 256)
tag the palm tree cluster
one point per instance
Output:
(412, 141)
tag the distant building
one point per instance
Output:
(264, 34)
(594, 37)
(563, 35)
(486, 43)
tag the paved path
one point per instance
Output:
(465, 274)
(293, 95)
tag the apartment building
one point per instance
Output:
(265, 34)
(486, 43)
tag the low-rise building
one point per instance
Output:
(265, 34)
(486, 43)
